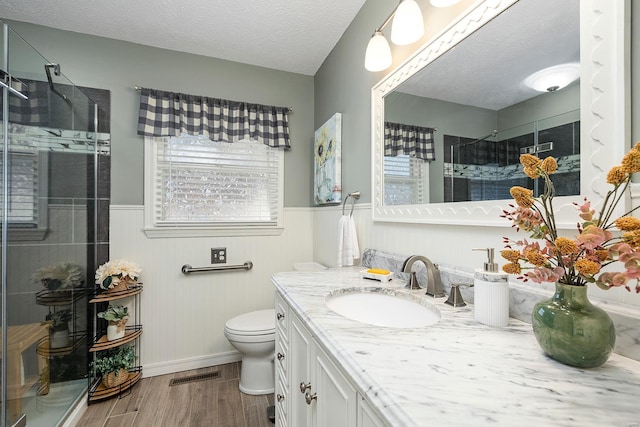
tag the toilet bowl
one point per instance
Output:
(254, 335)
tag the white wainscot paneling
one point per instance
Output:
(450, 245)
(183, 317)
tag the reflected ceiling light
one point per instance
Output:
(408, 24)
(553, 78)
(443, 3)
(378, 56)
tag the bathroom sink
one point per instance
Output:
(383, 307)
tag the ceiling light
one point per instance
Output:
(443, 3)
(378, 56)
(408, 24)
(553, 78)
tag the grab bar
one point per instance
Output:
(187, 269)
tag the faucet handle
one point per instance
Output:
(412, 283)
(455, 297)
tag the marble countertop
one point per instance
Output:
(458, 371)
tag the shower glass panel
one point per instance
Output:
(48, 164)
(485, 168)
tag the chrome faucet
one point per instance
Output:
(434, 284)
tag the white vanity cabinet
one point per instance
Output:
(311, 391)
(366, 415)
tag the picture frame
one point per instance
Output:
(327, 162)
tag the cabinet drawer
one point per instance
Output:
(282, 356)
(281, 402)
(282, 317)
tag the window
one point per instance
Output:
(405, 180)
(27, 179)
(195, 186)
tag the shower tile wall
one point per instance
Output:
(487, 169)
(70, 202)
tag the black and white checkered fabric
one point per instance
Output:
(33, 111)
(414, 141)
(171, 114)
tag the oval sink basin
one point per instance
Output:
(383, 307)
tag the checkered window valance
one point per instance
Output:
(174, 114)
(414, 141)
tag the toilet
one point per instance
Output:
(254, 335)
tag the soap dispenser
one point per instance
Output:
(491, 293)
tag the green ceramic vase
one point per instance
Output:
(571, 330)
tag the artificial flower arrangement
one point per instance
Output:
(574, 260)
(117, 272)
(58, 277)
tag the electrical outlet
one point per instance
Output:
(218, 255)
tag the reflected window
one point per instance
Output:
(405, 180)
(26, 181)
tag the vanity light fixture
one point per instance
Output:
(553, 78)
(407, 27)
(408, 24)
(378, 56)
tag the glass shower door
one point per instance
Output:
(48, 246)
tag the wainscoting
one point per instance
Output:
(184, 316)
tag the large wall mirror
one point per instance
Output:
(466, 97)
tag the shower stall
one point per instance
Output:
(54, 202)
(485, 168)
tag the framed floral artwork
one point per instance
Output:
(327, 161)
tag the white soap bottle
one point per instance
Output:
(491, 293)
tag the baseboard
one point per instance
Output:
(155, 369)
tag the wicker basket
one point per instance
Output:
(112, 380)
(122, 286)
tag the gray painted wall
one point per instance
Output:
(119, 66)
(448, 118)
(342, 83)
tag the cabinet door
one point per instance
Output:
(300, 347)
(336, 403)
(367, 416)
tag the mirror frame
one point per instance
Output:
(604, 113)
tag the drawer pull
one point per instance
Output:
(280, 356)
(280, 316)
(304, 387)
(310, 397)
(280, 397)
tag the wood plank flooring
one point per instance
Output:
(215, 402)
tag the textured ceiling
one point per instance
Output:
(288, 35)
(489, 67)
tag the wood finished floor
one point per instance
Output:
(213, 402)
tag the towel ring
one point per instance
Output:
(354, 196)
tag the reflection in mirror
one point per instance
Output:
(482, 116)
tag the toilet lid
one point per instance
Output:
(259, 322)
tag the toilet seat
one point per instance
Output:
(255, 323)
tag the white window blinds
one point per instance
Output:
(23, 189)
(204, 182)
(405, 180)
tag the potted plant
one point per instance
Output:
(117, 316)
(59, 277)
(117, 275)
(114, 365)
(568, 327)
(59, 330)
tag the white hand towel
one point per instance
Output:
(348, 248)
